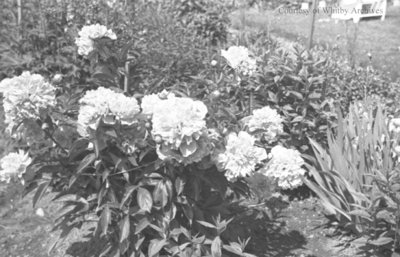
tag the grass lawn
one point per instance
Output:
(380, 38)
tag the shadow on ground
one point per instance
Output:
(268, 230)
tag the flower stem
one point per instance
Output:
(55, 141)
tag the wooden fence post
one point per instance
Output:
(314, 10)
(19, 12)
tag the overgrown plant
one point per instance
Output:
(357, 176)
(152, 171)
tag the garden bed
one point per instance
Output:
(299, 229)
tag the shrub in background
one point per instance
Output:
(208, 18)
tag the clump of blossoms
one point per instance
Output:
(266, 120)
(178, 126)
(27, 96)
(14, 165)
(239, 59)
(394, 125)
(285, 167)
(241, 155)
(107, 104)
(88, 34)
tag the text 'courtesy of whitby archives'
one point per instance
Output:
(330, 10)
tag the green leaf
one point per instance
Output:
(155, 246)
(160, 194)
(216, 247)
(297, 119)
(143, 223)
(128, 193)
(144, 199)
(89, 159)
(105, 220)
(381, 241)
(233, 247)
(139, 243)
(188, 149)
(124, 228)
(179, 185)
(206, 224)
(78, 147)
(188, 211)
(296, 94)
(361, 213)
(40, 192)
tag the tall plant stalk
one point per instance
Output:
(19, 18)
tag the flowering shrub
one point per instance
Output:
(285, 167)
(140, 169)
(88, 34)
(155, 174)
(208, 19)
(151, 169)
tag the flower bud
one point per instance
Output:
(147, 125)
(216, 93)
(57, 78)
(39, 212)
(214, 63)
(45, 126)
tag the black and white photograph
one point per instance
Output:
(199, 128)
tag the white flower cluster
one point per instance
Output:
(267, 120)
(106, 103)
(285, 167)
(238, 58)
(14, 165)
(88, 34)
(175, 118)
(180, 124)
(394, 125)
(241, 156)
(26, 97)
